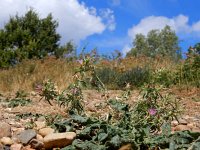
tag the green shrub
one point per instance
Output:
(108, 76)
(136, 77)
(163, 77)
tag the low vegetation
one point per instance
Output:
(60, 76)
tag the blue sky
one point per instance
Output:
(130, 12)
(110, 25)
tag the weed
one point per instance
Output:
(19, 100)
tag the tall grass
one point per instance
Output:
(115, 74)
(29, 73)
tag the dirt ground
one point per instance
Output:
(189, 101)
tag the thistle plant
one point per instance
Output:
(48, 91)
(154, 109)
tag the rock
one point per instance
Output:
(5, 130)
(41, 119)
(33, 93)
(59, 139)
(28, 147)
(16, 147)
(40, 124)
(36, 144)
(17, 131)
(8, 116)
(195, 129)
(26, 135)
(191, 125)
(6, 147)
(39, 137)
(181, 128)
(126, 147)
(1, 146)
(182, 121)
(45, 131)
(6, 141)
(174, 123)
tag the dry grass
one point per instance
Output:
(32, 72)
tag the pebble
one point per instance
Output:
(181, 128)
(59, 140)
(6, 141)
(46, 131)
(39, 137)
(16, 146)
(174, 123)
(41, 119)
(40, 124)
(182, 121)
(5, 130)
(126, 147)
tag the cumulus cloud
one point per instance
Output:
(180, 24)
(76, 20)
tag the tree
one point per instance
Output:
(68, 49)
(140, 46)
(157, 42)
(27, 37)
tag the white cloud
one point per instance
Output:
(108, 17)
(179, 24)
(76, 20)
(196, 26)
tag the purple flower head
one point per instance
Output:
(38, 88)
(74, 91)
(80, 61)
(152, 111)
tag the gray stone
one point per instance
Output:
(59, 139)
(5, 130)
(26, 136)
(36, 144)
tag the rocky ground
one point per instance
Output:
(34, 132)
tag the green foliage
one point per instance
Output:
(163, 77)
(27, 36)
(108, 76)
(162, 43)
(114, 79)
(126, 124)
(155, 109)
(136, 77)
(189, 72)
(68, 50)
(73, 96)
(49, 91)
(19, 100)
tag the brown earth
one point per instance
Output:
(189, 102)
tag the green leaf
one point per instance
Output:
(119, 106)
(102, 137)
